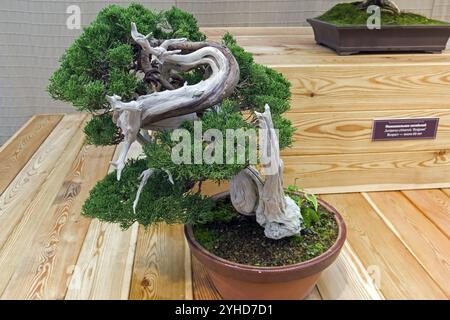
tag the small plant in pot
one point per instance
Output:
(378, 26)
(179, 95)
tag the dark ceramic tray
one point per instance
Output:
(347, 40)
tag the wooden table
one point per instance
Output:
(49, 251)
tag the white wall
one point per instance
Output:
(33, 35)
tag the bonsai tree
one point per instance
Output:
(143, 75)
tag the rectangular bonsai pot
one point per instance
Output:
(347, 40)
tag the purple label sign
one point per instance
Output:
(405, 129)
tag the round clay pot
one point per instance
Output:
(246, 282)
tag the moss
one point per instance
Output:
(349, 14)
(241, 240)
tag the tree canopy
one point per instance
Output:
(102, 61)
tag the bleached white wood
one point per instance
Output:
(277, 213)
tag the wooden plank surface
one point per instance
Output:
(47, 264)
(159, 271)
(24, 188)
(435, 205)
(347, 279)
(256, 31)
(422, 238)
(21, 226)
(104, 266)
(16, 152)
(368, 171)
(396, 271)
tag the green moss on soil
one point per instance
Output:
(241, 239)
(349, 14)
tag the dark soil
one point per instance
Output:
(241, 239)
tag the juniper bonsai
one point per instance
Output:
(143, 74)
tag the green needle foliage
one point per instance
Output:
(102, 61)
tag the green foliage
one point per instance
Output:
(183, 25)
(226, 117)
(100, 60)
(349, 14)
(101, 131)
(310, 216)
(308, 204)
(112, 201)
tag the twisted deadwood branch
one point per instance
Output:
(169, 108)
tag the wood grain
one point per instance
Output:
(21, 226)
(369, 171)
(347, 279)
(16, 152)
(397, 273)
(45, 267)
(24, 188)
(104, 266)
(256, 31)
(422, 238)
(351, 132)
(203, 288)
(434, 204)
(159, 271)
(352, 87)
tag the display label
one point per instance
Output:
(405, 129)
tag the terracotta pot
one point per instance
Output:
(347, 40)
(239, 281)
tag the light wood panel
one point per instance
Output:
(368, 172)
(422, 238)
(256, 31)
(23, 189)
(20, 230)
(273, 56)
(346, 279)
(47, 264)
(351, 132)
(349, 87)
(104, 266)
(434, 204)
(394, 269)
(16, 152)
(160, 271)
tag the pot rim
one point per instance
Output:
(336, 247)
